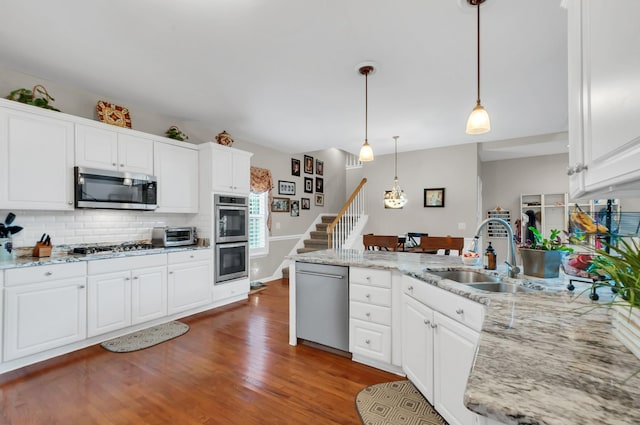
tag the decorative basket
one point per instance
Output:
(224, 139)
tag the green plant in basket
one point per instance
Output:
(553, 243)
(621, 264)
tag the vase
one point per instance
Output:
(6, 249)
(540, 263)
(626, 327)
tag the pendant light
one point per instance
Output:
(366, 153)
(478, 122)
(395, 198)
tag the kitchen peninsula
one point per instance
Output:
(543, 357)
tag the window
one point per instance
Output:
(258, 233)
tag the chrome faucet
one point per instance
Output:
(512, 267)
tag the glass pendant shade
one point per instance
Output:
(366, 153)
(395, 198)
(478, 122)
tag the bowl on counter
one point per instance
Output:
(470, 258)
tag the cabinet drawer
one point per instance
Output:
(460, 309)
(370, 340)
(190, 255)
(46, 273)
(367, 276)
(229, 290)
(110, 265)
(370, 295)
(370, 313)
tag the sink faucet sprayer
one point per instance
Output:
(512, 267)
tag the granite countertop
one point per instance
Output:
(62, 255)
(544, 357)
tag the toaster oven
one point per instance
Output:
(173, 236)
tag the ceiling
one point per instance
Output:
(283, 73)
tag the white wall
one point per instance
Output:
(453, 168)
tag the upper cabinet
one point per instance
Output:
(604, 98)
(176, 168)
(109, 149)
(36, 160)
(225, 169)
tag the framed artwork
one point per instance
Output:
(434, 197)
(308, 185)
(308, 164)
(286, 188)
(295, 167)
(319, 185)
(319, 199)
(295, 208)
(281, 205)
(305, 203)
(319, 167)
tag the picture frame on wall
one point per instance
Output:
(319, 199)
(319, 185)
(286, 187)
(295, 208)
(319, 167)
(305, 203)
(434, 197)
(308, 164)
(308, 185)
(295, 167)
(280, 205)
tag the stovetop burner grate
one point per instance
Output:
(106, 249)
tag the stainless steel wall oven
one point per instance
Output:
(231, 237)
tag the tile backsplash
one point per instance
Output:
(90, 226)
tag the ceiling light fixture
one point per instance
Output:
(478, 122)
(395, 198)
(366, 153)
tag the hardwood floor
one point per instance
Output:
(234, 366)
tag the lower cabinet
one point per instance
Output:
(437, 350)
(44, 315)
(126, 296)
(190, 280)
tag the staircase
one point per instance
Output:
(319, 240)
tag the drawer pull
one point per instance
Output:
(48, 273)
(368, 314)
(191, 256)
(427, 322)
(135, 277)
(368, 278)
(368, 295)
(410, 289)
(459, 311)
(368, 341)
(81, 287)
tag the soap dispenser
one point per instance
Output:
(490, 258)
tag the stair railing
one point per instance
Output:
(347, 219)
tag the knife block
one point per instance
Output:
(42, 250)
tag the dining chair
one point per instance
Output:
(447, 243)
(380, 242)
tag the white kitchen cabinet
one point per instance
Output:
(113, 149)
(604, 105)
(440, 334)
(225, 169)
(45, 308)
(176, 168)
(125, 291)
(36, 159)
(190, 280)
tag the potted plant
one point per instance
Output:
(542, 257)
(620, 264)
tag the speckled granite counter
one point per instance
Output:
(544, 357)
(62, 256)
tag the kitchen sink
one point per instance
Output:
(510, 288)
(465, 276)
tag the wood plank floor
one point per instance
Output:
(234, 366)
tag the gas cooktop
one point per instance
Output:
(107, 249)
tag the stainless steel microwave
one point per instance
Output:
(118, 190)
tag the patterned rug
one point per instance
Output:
(146, 338)
(395, 403)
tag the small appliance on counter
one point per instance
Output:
(173, 236)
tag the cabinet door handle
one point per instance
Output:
(368, 341)
(81, 287)
(571, 170)
(191, 256)
(433, 326)
(48, 273)
(368, 314)
(368, 278)
(122, 165)
(427, 322)
(114, 164)
(135, 277)
(410, 288)
(170, 272)
(127, 278)
(368, 296)
(70, 203)
(459, 311)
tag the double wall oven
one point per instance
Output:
(231, 237)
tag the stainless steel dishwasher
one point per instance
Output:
(322, 304)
